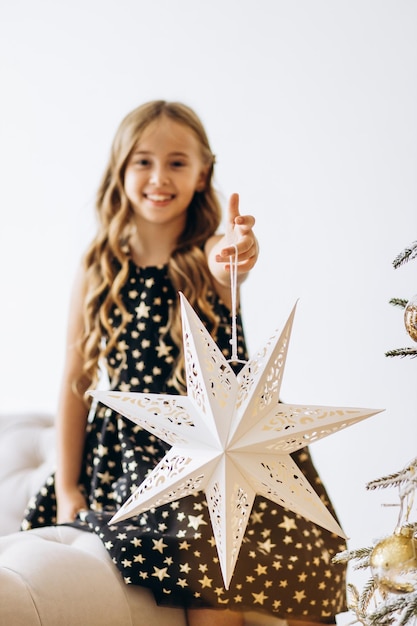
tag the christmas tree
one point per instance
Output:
(390, 594)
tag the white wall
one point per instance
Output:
(310, 106)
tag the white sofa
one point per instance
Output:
(60, 576)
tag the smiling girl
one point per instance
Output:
(158, 217)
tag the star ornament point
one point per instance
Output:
(230, 437)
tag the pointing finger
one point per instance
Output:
(232, 214)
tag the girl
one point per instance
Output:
(158, 215)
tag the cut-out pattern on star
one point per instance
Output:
(230, 437)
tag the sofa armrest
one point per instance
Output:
(27, 456)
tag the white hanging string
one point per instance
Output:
(233, 289)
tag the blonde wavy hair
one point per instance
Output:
(107, 259)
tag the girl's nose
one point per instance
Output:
(159, 176)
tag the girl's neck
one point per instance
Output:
(153, 247)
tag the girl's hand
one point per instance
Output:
(221, 250)
(239, 233)
(69, 504)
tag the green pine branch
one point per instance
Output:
(406, 475)
(410, 610)
(400, 611)
(406, 255)
(402, 352)
(360, 555)
(367, 594)
(399, 302)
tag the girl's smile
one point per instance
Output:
(159, 198)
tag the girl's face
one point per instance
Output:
(163, 172)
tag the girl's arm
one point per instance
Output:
(71, 417)
(220, 248)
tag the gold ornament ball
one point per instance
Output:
(410, 317)
(394, 562)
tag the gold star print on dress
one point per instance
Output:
(231, 438)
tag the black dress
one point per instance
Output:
(285, 562)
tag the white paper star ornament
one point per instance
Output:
(230, 437)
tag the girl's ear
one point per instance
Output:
(202, 180)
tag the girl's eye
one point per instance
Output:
(177, 164)
(142, 162)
